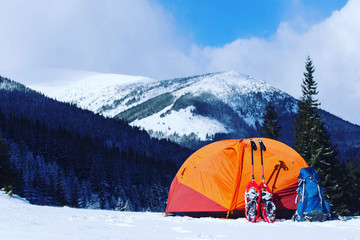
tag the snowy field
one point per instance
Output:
(20, 220)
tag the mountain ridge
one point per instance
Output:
(200, 108)
(133, 95)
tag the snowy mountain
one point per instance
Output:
(21, 220)
(176, 108)
(194, 109)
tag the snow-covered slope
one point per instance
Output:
(90, 90)
(184, 108)
(9, 85)
(22, 221)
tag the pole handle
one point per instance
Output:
(253, 148)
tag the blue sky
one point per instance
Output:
(164, 39)
(217, 22)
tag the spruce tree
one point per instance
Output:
(307, 114)
(270, 127)
(312, 140)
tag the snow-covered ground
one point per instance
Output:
(20, 220)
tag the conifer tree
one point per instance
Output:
(306, 114)
(349, 204)
(7, 174)
(270, 127)
(312, 140)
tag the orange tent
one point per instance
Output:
(212, 181)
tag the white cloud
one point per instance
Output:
(333, 44)
(130, 37)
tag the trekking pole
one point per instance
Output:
(262, 148)
(253, 148)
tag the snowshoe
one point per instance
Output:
(267, 206)
(252, 201)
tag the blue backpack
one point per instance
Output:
(312, 205)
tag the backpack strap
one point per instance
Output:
(303, 193)
(300, 195)
(319, 190)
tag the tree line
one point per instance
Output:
(56, 154)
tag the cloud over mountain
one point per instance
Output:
(332, 44)
(142, 38)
